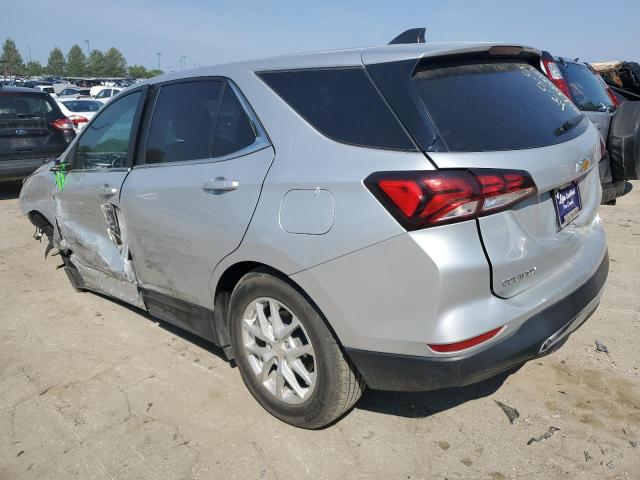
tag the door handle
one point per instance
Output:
(219, 185)
(107, 190)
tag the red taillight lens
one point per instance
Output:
(423, 199)
(62, 124)
(554, 74)
(78, 119)
(612, 96)
(465, 344)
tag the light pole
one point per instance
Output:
(159, 54)
(88, 47)
(184, 62)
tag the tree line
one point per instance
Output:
(110, 63)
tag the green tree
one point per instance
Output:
(11, 58)
(137, 71)
(115, 63)
(76, 62)
(56, 64)
(34, 68)
(96, 64)
(154, 72)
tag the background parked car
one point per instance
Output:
(108, 92)
(70, 92)
(588, 91)
(79, 111)
(45, 88)
(33, 131)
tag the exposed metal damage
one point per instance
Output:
(99, 265)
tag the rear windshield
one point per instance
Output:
(587, 90)
(82, 106)
(26, 105)
(488, 106)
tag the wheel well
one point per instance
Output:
(225, 286)
(40, 221)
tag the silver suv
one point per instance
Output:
(408, 217)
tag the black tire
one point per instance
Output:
(624, 142)
(338, 385)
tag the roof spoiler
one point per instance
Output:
(413, 35)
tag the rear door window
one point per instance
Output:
(184, 121)
(342, 104)
(234, 130)
(490, 106)
(587, 90)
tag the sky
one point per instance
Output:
(211, 32)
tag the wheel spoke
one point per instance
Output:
(291, 379)
(266, 368)
(299, 351)
(264, 322)
(298, 367)
(286, 330)
(276, 321)
(263, 353)
(279, 383)
(255, 331)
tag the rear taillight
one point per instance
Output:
(612, 96)
(62, 124)
(423, 199)
(554, 74)
(78, 119)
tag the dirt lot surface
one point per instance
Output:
(90, 388)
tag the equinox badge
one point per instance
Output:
(518, 278)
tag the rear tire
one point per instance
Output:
(307, 390)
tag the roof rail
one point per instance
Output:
(413, 35)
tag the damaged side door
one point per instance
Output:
(93, 236)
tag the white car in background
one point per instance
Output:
(106, 93)
(45, 88)
(79, 110)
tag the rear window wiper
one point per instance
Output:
(568, 125)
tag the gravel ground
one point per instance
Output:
(90, 388)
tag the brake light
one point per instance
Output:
(465, 344)
(420, 199)
(77, 119)
(554, 74)
(62, 124)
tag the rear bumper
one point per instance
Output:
(11, 170)
(549, 327)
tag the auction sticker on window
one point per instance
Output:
(568, 203)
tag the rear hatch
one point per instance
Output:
(28, 126)
(477, 111)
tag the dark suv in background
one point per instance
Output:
(33, 131)
(617, 122)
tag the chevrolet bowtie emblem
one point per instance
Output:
(583, 165)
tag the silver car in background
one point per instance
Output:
(406, 217)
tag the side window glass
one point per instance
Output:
(105, 142)
(234, 130)
(184, 121)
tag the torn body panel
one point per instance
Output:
(93, 236)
